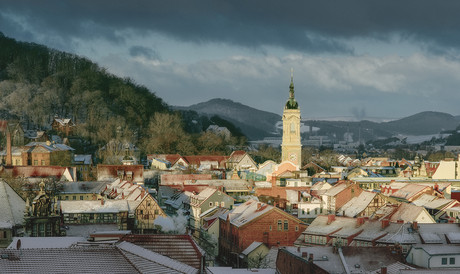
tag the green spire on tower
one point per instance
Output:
(291, 103)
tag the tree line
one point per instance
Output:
(38, 83)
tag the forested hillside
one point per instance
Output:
(38, 83)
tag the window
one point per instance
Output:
(270, 227)
(451, 260)
(81, 197)
(444, 261)
(286, 225)
(67, 197)
(210, 204)
(35, 162)
(43, 162)
(216, 203)
(280, 225)
(156, 211)
(308, 211)
(74, 198)
(296, 228)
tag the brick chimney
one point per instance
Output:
(385, 223)
(330, 218)
(259, 205)
(102, 201)
(304, 254)
(310, 257)
(400, 221)
(383, 270)
(9, 156)
(414, 225)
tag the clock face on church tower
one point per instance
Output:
(293, 157)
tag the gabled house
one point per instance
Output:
(406, 213)
(130, 173)
(339, 195)
(240, 160)
(331, 229)
(11, 214)
(207, 162)
(146, 211)
(363, 205)
(433, 256)
(64, 126)
(209, 232)
(411, 192)
(203, 201)
(255, 221)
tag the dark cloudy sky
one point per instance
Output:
(350, 58)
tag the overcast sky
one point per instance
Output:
(350, 58)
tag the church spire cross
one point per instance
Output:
(291, 103)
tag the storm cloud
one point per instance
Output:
(306, 26)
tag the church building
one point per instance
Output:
(291, 147)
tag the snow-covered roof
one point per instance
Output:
(336, 189)
(263, 184)
(248, 211)
(430, 238)
(436, 249)
(45, 242)
(424, 199)
(162, 264)
(82, 159)
(357, 204)
(439, 203)
(320, 225)
(409, 191)
(251, 247)
(12, 207)
(108, 206)
(373, 230)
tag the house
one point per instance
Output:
(131, 173)
(64, 126)
(209, 232)
(122, 257)
(339, 195)
(180, 201)
(181, 248)
(203, 201)
(410, 192)
(102, 212)
(254, 255)
(146, 211)
(447, 169)
(347, 259)
(84, 165)
(363, 205)
(160, 164)
(30, 172)
(434, 256)
(49, 154)
(207, 162)
(82, 191)
(255, 221)
(175, 161)
(38, 154)
(240, 160)
(331, 229)
(11, 214)
(406, 213)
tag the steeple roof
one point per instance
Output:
(291, 103)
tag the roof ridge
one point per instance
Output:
(10, 210)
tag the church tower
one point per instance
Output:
(291, 148)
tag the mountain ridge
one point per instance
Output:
(257, 124)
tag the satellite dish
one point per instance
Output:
(18, 244)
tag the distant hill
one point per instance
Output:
(255, 124)
(423, 123)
